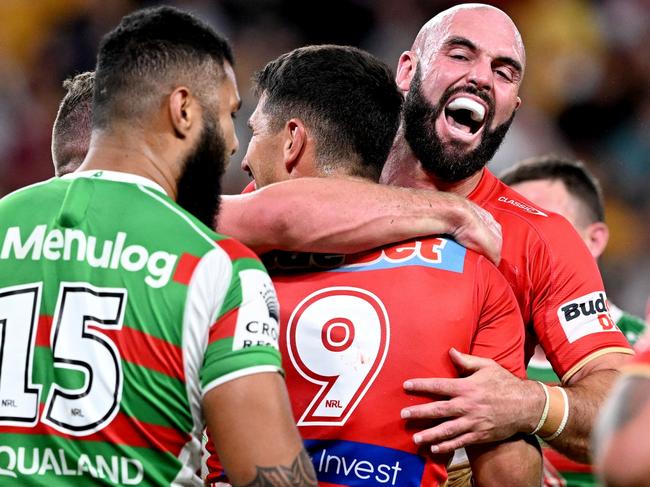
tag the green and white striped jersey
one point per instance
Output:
(118, 312)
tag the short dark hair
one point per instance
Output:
(147, 52)
(579, 182)
(72, 127)
(345, 95)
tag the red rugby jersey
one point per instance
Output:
(555, 279)
(352, 334)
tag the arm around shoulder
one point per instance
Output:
(346, 215)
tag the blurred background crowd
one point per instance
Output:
(586, 92)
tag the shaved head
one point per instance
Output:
(432, 34)
(462, 79)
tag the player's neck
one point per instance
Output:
(404, 169)
(132, 155)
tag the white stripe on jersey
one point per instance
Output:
(205, 296)
(240, 373)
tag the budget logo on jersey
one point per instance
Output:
(585, 315)
(74, 245)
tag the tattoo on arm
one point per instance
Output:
(300, 473)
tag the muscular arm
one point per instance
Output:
(344, 215)
(621, 440)
(251, 425)
(492, 404)
(587, 390)
(514, 462)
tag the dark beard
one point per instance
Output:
(199, 188)
(447, 163)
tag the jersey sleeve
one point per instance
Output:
(243, 338)
(570, 311)
(500, 331)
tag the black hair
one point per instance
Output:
(72, 127)
(149, 51)
(345, 95)
(579, 182)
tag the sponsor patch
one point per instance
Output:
(259, 313)
(351, 463)
(585, 315)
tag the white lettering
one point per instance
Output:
(103, 469)
(160, 265)
(521, 205)
(64, 465)
(84, 465)
(22, 467)
(139, 471)
(117, 250)
(364, 467)
(49, 463)
(53, 242)
(73, 235)
(11, 464)
(33, 244)
(122, 470)
(93, 261)
(139, 252)
(383, 470)
(359, 469)
(73, 244)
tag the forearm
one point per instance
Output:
(514, 462)
(586, 397)
(339, 215)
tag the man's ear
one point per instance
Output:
(293, 145)
(183, 111)
(596, 238)
(406, 70)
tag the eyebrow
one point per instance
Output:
(463, 41)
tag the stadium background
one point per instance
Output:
(586, 92)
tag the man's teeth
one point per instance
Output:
(477, 111)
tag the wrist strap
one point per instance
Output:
(565, 417)
(542, 420)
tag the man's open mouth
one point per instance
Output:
(465, 114)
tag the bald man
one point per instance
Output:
(461, 79)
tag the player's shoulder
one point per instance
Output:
(234, 249)
(515, 213)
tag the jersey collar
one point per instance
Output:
(121, 177)
(484, 188)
